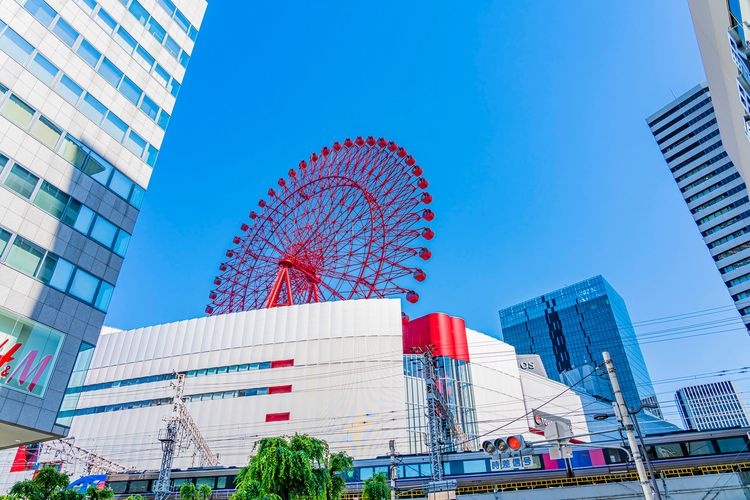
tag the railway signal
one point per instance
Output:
(507, 445)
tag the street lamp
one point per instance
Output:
(633, 413)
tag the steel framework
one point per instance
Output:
(180, 431)
(68, 452)
(341, 226)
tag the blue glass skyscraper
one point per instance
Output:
(570, 328)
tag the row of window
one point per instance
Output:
(732, 251)
(706, 177)
(683, 114)
(741, 296)
(722, 210)
(713, 201)
(67, 147)
(737, 281)
(702, 166)
(685, 125)
(262, 365)
(255, 391)
(141, 15)
(48, 17)
(726, 223)
(178, 17)
(63, 207)
(713, 187)
(32, 260)
(693, 133)
(692, 146)
(699, 154)
(675, 108)
(25, 54)
(147, 486)
(131, 46)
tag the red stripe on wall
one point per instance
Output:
(279, 389)
(277, 417)
(282, 363)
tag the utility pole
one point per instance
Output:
(654, 484)
(627, 423)
(180, 428)
(394, 472)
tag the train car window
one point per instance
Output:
(615, 456)
(668, 450)
(118, 486)
(453, 468)
(410, 470)
(221, 483)
(732, 444)
(472, 466)
(179, 482)
(138, 487)
(700, 448)
(211, 481)
(426, 469)
(365, 473)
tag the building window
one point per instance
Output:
(51, 200)
(24, 256)
(69, 90)
(47, 133)
(110, 72)
(41, 11)
(43, 69)
(65, 32)
(83, 286)
(17, 111)
(16, 47)
(21, 181)
(89, 54)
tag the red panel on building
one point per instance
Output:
(446, 333)
(282, 363)
(25, 459)
(279, 389)
(277, 417)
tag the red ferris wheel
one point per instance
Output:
(344, 225)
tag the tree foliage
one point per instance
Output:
(136, 497)
(292, 468)
(94, 493)
(187, 491)
(204, 492)
(376, 488)
(46, 485)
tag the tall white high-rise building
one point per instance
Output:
(688, 135)
(87, 88)
(724, 41)
(710, 406)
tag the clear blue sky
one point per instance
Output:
(528, 118)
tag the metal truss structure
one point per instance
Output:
(180, 432)
(64, 450)
(342, 226)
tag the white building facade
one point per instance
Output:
(87, 89)
(338, 371)
(711, 406)
(688, 135)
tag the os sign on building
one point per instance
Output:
(28, 353)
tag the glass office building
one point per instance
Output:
(570, 328)
(87, 89)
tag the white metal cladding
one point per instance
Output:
(505, 396)
(347, 381)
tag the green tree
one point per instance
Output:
(292, 468)
(376, 488)
(136, 497)
(26, 490)
(67, 495)
(187, 491)
(94, 493)
(339, 464)
(204, 492)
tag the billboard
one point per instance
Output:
(28, 353)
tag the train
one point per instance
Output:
(682, 452)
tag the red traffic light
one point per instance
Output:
(515, 443)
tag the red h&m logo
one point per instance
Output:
(25, 367)
(28, 352)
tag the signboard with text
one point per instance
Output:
(28, 353)
(515, 463)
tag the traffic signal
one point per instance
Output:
(505, 445)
